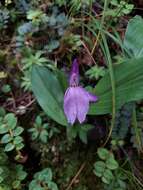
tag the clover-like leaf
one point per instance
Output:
(9, 147)
(17, 131)
(17, 140)
(111, 163)
(11, 120)
(107, 176)
(16, 184)
(103, 153)
(99, 168)
(19, 146)
(52, 185)
(6, 138)
(3, 129)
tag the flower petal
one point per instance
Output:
(82, 103)
(76, 103)
(92, 97)
(70, 105)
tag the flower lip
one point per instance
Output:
(76, 103)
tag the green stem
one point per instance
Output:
(111, 72)
(101, 26)
(82, 16)
(131, 173)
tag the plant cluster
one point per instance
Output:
(11, 134)
(43, 180)
(109, 171)
(11, 175)
(71, 77)
(42, 131)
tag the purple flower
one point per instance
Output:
(76, 98)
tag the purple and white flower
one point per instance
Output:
(76, 98)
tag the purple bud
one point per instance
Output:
(74, 75)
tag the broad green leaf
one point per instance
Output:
(34, 133)
(3, 129)
(34, 185)
(21, 174)
(83, 136)
(45, 175)
(44, 136)
(86, 127)
(121, 175)
(16, 184)
(49, 94)
(104, 180)
(133, 41)
(99, 168)
(17, 140)
(19, 146)
(6, 138)
(122, 183)
(129, 87)
(9, 147)
(17, 131)
(38, 120)
(62, 79)
(107, 176)
(111, 163)
(11, 120)
(52, 185)
(72, 132)
(103, 153)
